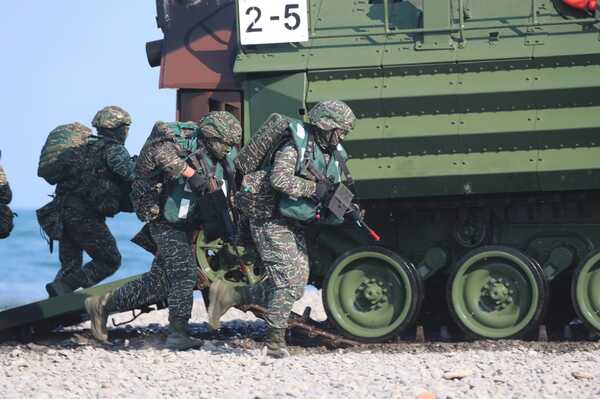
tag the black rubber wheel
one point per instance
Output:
(585, 291)
(371, 294)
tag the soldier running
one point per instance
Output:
(6, 215)
(280, 239)
(164, 160)
(87, 199)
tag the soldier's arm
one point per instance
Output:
(283, 175)
(167, 158)
(120, 163)
(5, 192)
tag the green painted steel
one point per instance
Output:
(496, 293)
(561, 258)
(453, 98)
(434, 259)
(586, 290)
(372, 294)
(478, 125)
(260, 92)
(62, 310)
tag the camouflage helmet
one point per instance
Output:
(332, 114)
(111, 117)
(221, 125)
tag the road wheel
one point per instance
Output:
(497, 292)
(585, 290)
(220, 261)
(371, 294)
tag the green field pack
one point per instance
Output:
(264, 142)
(52, 166)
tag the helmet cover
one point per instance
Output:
(332, 114)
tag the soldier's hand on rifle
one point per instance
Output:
(198, 183)
(323, 191)
(356, 212)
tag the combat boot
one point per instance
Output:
(57, 288)
(222, 297)
(96, 309)
(275, 343)
(179, 339)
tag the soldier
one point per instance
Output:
(280, 240)
(6, 215)
(88, 199)
(163, 161)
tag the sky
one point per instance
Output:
(62, 61)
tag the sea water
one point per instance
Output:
(26, 264)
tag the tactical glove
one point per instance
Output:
(198, 183)
(322, 191)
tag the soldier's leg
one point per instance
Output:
(91, 234)
(70, 255)
(283, 251)
(149, 289)
(175, 251)
(224, 296)
(172, 277)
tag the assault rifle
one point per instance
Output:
(340, 201)
(216, 218)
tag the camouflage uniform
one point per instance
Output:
(6, 215)
(280, 241)
(172, 276)
(173, 273)
(281, 245)
(5, 192)
(87, 200)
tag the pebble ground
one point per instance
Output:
(70, 364)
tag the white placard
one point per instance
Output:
(184, 209)
(273, 21)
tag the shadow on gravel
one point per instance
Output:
(238, 336)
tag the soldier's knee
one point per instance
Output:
(298, 292)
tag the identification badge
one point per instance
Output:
(184, 209)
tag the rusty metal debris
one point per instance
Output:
(306, 325)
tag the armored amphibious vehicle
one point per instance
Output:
(476, 154)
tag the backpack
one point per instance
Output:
(256, 198)
(6, 221)
(52, 165)
(146, 189)
(264, 142)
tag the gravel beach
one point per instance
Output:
(70, 364)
